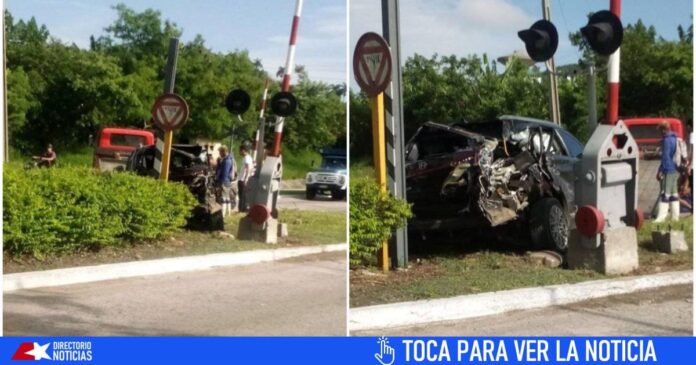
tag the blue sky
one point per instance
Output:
(465, 27)
(260, 26)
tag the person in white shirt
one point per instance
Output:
(246, 171)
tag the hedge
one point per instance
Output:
(373, 217)
(64, 210)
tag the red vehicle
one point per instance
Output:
(649, 140)
(648, 137)
(115, 145)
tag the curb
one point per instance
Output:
(485, 304)
(86, 274)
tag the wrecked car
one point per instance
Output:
(513, 175)
(187, 167)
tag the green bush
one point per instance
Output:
(69, 209)
(373, 217)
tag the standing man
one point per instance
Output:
(223, 177)
(668, 175)
(246, 172)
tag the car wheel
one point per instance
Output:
(338, 195)
(549, 225)
(311, 193)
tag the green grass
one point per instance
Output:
(79, 157)
(296, 163)
(304, 227)
(361, 168)
(455, 272)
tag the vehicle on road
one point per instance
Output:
(514, 175)
(647, 135)
(331, 177)
(186, 167)
(115, 145)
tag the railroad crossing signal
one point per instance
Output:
(237, 101)
(540, 40)
(284, 104)
(603, 32)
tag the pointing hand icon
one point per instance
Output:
(386, 354)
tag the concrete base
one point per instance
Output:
(283, 230)
(267, 232)
(669, 241)
(617, 253)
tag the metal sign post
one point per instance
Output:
(372, 68)
(169, 78)
(396, 174)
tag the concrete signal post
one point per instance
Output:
(604, 238)
(372, 69)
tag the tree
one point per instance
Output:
(60, 93)
(656, 74)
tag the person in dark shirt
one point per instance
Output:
(686, 200)
(48, 159)
(668, 175)
(224, 176)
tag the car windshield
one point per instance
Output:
(334, 163)
(645, 131)
(127, 140)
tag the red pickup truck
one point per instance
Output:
(649, 138)
(647, 135)
(115, 145)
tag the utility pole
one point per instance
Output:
(554, 104)
(396, 176)
(5, 122)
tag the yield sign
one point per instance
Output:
(372, 64)
(170, 112)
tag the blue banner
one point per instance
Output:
(349, 350)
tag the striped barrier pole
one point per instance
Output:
(258, 140)
(613, 74)
(289, 65)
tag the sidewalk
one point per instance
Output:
(85, 274)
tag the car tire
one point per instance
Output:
(549, 226)
(310, 193)
(216, 221)
(338, 195)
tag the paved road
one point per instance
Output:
(295, 199)
(660, 312)
(300, 296)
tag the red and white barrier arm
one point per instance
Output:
(289, 66)
(613, 74)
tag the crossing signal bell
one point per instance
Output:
(283, 104)
(603, 32)
(237, 101)
(540, 40)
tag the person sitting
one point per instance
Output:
(686, 200)
(48, 159)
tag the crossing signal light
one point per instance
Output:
(237, 101)
(540, 40)
(283, 104)
(603, 32)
